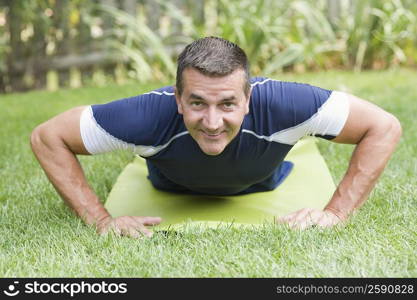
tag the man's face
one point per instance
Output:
(213, 108)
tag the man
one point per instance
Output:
(218, 131)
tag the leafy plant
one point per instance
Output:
(276, 35)
(144, 48)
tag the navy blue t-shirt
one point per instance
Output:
(280, 114)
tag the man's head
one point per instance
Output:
(213, 91)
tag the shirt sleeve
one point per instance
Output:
(330, 118)
(137, 123)
(296, 110)
(97, 140)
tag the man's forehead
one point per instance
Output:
(194, 80)
(224, 96)
(193, 71)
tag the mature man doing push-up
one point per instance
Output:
(217, 131)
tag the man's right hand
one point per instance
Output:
(128, 225)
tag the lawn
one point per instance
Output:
(41, 237)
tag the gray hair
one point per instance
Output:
(213, 56)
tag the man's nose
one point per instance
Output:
(213, 119)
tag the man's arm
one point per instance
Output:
(55, 144)
(376, 134)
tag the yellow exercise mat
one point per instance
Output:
(308, 185)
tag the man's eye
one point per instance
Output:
(228, 105)
(196, 104)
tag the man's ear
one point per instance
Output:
(178, 100)
(248, 101)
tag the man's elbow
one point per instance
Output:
(37, 138)
(385, 128)
(395, 129)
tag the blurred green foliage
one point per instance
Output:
(277, 35)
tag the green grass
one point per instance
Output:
(41, 237)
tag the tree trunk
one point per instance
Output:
(2, 83)
(38, 53)
(153, 11)
(333, 11)
(175, 24)
(130, 6)
(196, 10)
(16, 52)
(108, 25)
(108, 20)
(61, 20)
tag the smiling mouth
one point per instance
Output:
(212, 135)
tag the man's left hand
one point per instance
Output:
(308, 217)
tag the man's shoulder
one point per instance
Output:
(267, 82)
(259, 80)
(286, 91)
(147, 101)
(141, 119)
(162, 91)
(279, 105)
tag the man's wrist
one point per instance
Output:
(343, 216)
(97, 218)
(103, 220)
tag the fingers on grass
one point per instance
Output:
(304, 223)
(150, 221)
(132, 226)
(322, 219)
(138, 225)
(128, 226)
(308, 217)
(136, 232)
(131, 232)
(108, 229)
(329, 220)
(298, 219)
(145, 231)
(305, 218)
(288, 218)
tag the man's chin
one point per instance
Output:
(212, 151)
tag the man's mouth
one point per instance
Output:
(212, 135)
